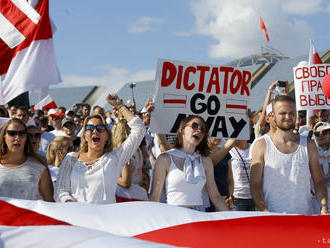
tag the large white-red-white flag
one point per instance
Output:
(134, 224)
(45, 103)
(26, 48)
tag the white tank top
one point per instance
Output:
(179, 192)
(286, 179)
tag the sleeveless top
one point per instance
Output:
(179, 191)
(21, 182)
(286, 179)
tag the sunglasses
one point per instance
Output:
(35, 135)
(13, 133)
(323, 132)
(195, 125)
(100, 128)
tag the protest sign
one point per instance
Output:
(308, 86)
(219, 94)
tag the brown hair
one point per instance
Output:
(283, 98)
(202, 147)
(108, 147)
(28, 148)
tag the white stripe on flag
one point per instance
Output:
(236, 106)
(174, 101)
(9, 33)
(27, 9)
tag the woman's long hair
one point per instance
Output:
(120, 132)
(202, 147)
(108, 147)
(28, 148)
(55, 145)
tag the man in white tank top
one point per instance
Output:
(282, 165)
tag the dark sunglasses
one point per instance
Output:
(195, 125)
(13, 133)
(35, 135)
(100, 128)
(323, 132)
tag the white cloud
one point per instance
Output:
(144, 24)
(234, 26)
(114, 78)
(305, 7)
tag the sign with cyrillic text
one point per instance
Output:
(308, 86)
(219, 94)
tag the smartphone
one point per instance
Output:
(281, 83)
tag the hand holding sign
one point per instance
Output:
(326, 86)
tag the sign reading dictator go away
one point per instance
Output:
(308, 86)
(219, 94)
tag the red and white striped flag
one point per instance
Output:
(314, 57)
(130, 224)
(46, 103)
(26, 48)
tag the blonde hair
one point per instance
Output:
(55, 145)
(120, 132)
(84, 145)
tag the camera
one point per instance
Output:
(281, 83)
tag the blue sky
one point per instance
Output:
(108, 42)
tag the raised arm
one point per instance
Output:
(161, 169)
(319, 183)
(211, 186)
(256, 174)
(125, 179)
(221, 153)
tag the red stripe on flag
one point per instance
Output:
(236, 106)
(175, 101)
(40, 31)
(16, 17)
(51, 105)
(256, 232)
(11, 215)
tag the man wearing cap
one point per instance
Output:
(56, 122)
(321, 133)
(68, 128)
(282, 165)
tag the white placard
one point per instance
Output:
(219, 94)
(308, 86)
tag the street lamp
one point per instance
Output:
(132, 85)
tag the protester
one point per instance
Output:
(22, 114)
(98, 110)
(46, 137)
(68, 128)
(131, 175)
(322, 115)
(91, 174)
(186, 169)
(34, 134)
(322, 140)
(56, 122)
(239, 168)
(85, 110)
(56, 152)
(282, 165)
(22, 174)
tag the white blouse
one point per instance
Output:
(97, 184)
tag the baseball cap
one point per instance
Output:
(58, 114)
(67, 120)
(321, 123)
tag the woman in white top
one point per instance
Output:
(131, 175)
(22, 172)
(186, 169)
(239, 168)
(91, 175)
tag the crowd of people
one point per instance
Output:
(94, 156)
